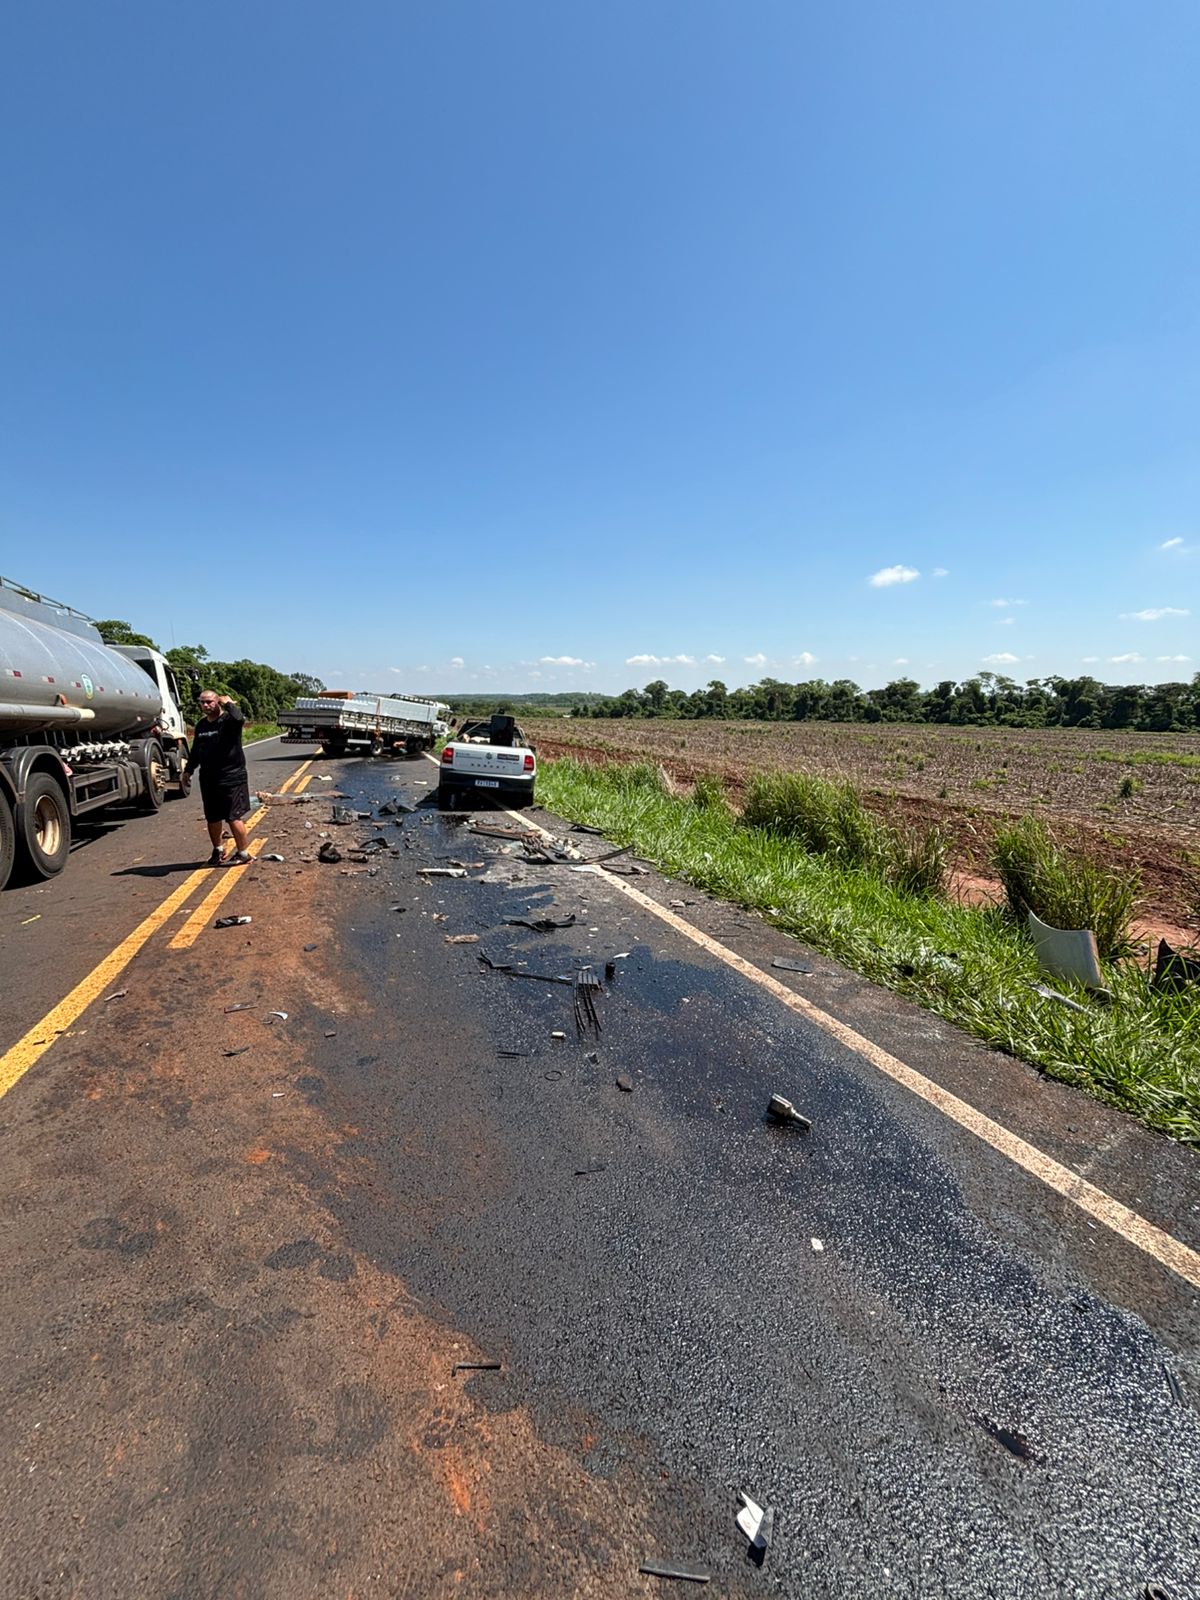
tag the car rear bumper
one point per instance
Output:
(520, 789)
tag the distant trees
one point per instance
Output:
(987, 699)
(261, 691)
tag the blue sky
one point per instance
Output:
(552, 345)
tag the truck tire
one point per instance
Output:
(8, 839)
(154, 776)
(44, 826)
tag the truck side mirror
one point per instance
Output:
(194, 675)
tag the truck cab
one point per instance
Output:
(156, 667)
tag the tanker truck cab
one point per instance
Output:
(171, 725)
(487, 760)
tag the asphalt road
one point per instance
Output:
(239, 1282)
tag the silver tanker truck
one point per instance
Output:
(83, 725)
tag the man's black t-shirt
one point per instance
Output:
(217, 748)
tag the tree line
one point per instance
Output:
(261, 691)
(989, 698)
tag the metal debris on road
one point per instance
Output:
(784, 1111)
(397, 908)
(685, 1571)
(240, 1051)
(477, 1366)
(271, 1015)
(512, 1055)
(442, 872)
(786, 964)
(462, 938)
(117, 994)
(587, 1172)
(309, 947)
(231, 922)
(818, 1245)
(587, 987)
(558, 1034)
(542, 924)
(242, 1005)
(1178, 1392)
(758, 1525)
(585, 827)
(274, 856)
(625, 1083)
(331, 1033)
(1012, 1439)
(329, 853)
(37, 917)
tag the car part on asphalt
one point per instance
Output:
(462, 938)
(543, 924)
(786, 964)
(758, 1524)
(624, 1083)
(784, 1111)
(329, 853)
(683, 1570)
(231, 922)
(477, 1366)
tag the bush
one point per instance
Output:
(708, 793)
(918, 860)
(1129, 787)
(826, 818)
(1064, 890)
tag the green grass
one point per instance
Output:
(1063, 888)
(971, 965)
(1146, 758)
(260, 730)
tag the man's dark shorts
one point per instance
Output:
(226, 802)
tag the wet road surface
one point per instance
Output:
(241, 1281)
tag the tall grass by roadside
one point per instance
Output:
(1066, 890)
(969, 964)
(829, 819)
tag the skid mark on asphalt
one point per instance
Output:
(1128, 1224)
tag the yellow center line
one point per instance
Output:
(303, 784)
(16, 1062)
(1121, 1219)
(295, 777)
(199, 919)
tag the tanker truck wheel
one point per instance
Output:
(44, 826)
(8, 840)
(154, 776)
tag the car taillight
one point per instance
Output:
(528, 763)
(447, 757)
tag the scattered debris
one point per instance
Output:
(543, 924)
(240, 1051)
(786, 964)
(331, 1033)
(397, 908)
(1175, 969)
(329, 853)
(271, 1015)
(818, 1245)
(1178, 1392)
(372, 846)
(309, 947)
(624, 1083)
(396, 808)
(272, 857)
(1047, 993)
(683, 1570)
(587, 987)
(558, 1034)
(594, 1057)
(462, 938)
(477, 1366)
(1013, 1441)
(610, 855)
(758, 1525)
(117, 994)
(512, 1055)
(1067, 953)
(231, 922)
(587, 1172)
(610, 970)
(585, 827)
(242, 1005)
(784, 1111)
(442, 872)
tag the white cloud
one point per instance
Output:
(1089, 660)
(887, 576)
(564, 661)
(1002, 658)
(1174, 658)
(758, 660)
(457, 661)
(1154, 614)
(664, 661)
(900, 661)
(804, 659)
(1171, 544)
(1130, 657)
(1005, 622)
(714, 661)
(940, 572)
(1003, 605)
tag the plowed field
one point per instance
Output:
(965, 779)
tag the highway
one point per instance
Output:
(948, 1333)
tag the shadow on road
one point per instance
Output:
(159, 869)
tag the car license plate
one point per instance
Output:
(487, 783)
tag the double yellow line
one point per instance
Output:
(29, 1049)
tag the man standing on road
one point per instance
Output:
(224, 786)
